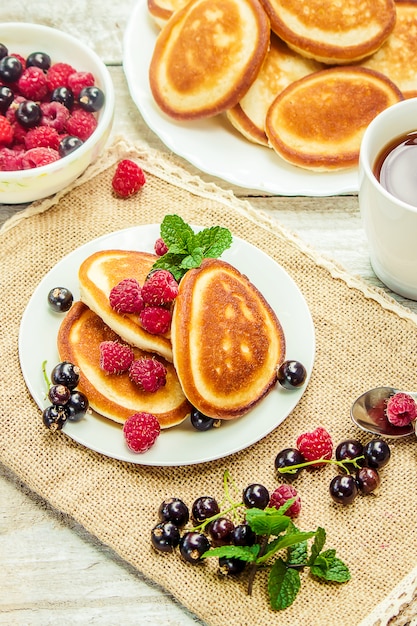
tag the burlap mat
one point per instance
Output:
(363, 340)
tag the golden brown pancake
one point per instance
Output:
(114, 395)
(317, 122)
(103, 270)
(227, 340)
(332, 32)
(397, 56)
(281, 67)
(162, 10)
(207, 56)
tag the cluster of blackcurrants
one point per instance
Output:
(67, 403)
(360, 463)
(212, 528)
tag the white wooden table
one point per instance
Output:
(41, 551)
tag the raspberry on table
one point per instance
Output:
(128, 178)
(401, 409)
(315, 445)
(156, 319)
(141, 430)
(54, 114)
(42, 137)
(78, 80)
(115, 357)
(32, 83)
(37, 157)
(126, 296)
(280, 497)
(57, 75)
(160, 289)
(6, 131)
(160, 247)
(148, 373)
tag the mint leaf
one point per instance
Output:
(296, 553)
(177, 233)
(267, 522)
(329, 567)
(192, 260)
(317, 547)
(244, 553)
(284, 542)
(283, 585)
(214, 241)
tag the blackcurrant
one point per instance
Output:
(3, 50)
(221, 531)
(59, 394)
(348, 450)
(202, 422)
(367, 479)
(10, 69)
(68, 144)
(66, 373)
(287, 458)
(377, 453)
(91, 99)
(60, 299)
(63, 95)
(203, 508)
(6, 98)
(39, 59)
(256, 495)
(192, 545)
(28, 114)
(230, 566)
(343, 489)
(54, 417)
(243, 535)
(291, 374)
(174, 510)
(165, 536)
(77, 405)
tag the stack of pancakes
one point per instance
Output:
(221, 354)
(303, 77)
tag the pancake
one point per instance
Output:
(207, 56)
(115, 396)
(161, 10)
(227, 341)
(332, 32)
(396, 57)
(103, 270)
(281, 67)
(318, 122)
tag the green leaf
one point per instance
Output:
(172, 263)
(267, 522)
(176, 232)
(284, 542)
(328, 567)
(193, 259)
(244, 553)
(297, 553)
(317, 547)
(214, 241)
(283, 585)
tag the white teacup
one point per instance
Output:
(390, 223)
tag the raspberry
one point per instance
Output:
(148, 373)
(79, 80)
(128, 179)
(57, 75)
(155, 319)
(115, 357)
(401, 409)
(126, 296)
(281, 495)
(81, 124)
(160, 247)
(141, 430)
(37, 157)
(10, 160)
(54, 114)
(20, 58)
(6, 131)
(32, 84)
(160, 288)
(42, 137)
(315, 445)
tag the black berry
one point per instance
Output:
(3, 51)
(60, 299)
(203, 508)
(377, 453)
(343, 489)
(10, 69)
(6, 98)
(287, 458)
(66, 373)
(77, 405)
(202, 422)
(69, 144)
(165, 536)
(230, 566)
(243, 535)
(174, 510)
(256, 495)
(348, 450)
(367, 479)
(28, 114)
(91, 99)
(59, 394)
(39, 59)
(291, 374)
(221, 531)
(192, 545)
(63, 95)
(54, 417)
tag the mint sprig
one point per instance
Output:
(187, 249)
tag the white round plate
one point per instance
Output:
(181, 445)
(213, 145)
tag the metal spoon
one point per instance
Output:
(368, 413)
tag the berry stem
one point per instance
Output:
(254, 566)
(345, 464)
(45, 375)
(227, 480)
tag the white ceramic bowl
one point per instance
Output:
(28, 185)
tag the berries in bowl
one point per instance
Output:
(56, 110)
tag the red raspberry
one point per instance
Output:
(81, 124)
(54, 114)
(401, 409)
(21, 59)
(10, 160)
(128, 178)
(160, 247)
(126, 296)
(79, 80)
(6, 131)
(148, 373)
(42, 137)
(141, 430)
(315, 445)
(32, 83)
(155, 319)
(37, 157)
(57, 75)
(281, 495)
(115, 357)
(160, 289)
